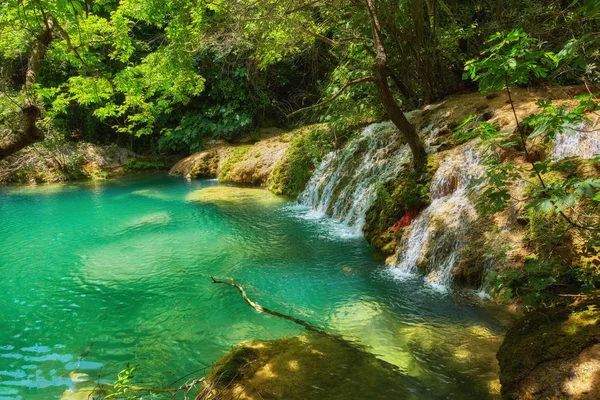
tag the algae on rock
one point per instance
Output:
(309, 366)
(308, 147)
(398, 202)
(553, 353)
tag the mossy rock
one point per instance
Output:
(307, 149)
(309, 366)
(397, 198)
(234, 156)
(549, 354)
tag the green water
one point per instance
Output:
(95, 276)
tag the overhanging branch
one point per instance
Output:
(335, 96)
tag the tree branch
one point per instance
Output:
(260, 308)
(335, 96)
(29, 133)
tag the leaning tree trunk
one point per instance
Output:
(385, 94)
(29, 133)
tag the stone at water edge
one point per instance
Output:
(309, 366)
(553, 354)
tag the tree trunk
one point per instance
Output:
(385, 94)
(29, 133)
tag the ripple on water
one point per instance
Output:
(119, 272)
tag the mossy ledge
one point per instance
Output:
(309, 366)
(69, 161)
(553, 354)
(283, 163)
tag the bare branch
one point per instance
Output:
(335, 96)
(260, 308)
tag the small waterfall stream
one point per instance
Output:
(584, 143)
(345, 184)
(434, 240)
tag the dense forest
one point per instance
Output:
(172, 74)
(493, 103)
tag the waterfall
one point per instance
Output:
(583, 142)
(345, 184)
(434, 240)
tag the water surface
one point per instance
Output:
(98, 275)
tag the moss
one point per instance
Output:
(545, 335)
(228, 369)
(398, 201)
(234, 156)
(308, 147)
(310, 366)
(206, 167)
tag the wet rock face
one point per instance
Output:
(553, 354)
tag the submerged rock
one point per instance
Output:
(230, 194)
(309, 366)
(553, 354)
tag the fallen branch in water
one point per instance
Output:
(260, 308)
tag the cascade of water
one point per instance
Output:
(434, 240)
(583, 142)
(345, 184)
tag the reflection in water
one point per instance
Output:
(144, 295)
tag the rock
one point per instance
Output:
(255, 165)
(553, 354)
(91, 392)
(252, 164)
(223, 195)
(309, 366)
(204, 164)
(70, 161)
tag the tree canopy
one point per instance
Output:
(179, 72)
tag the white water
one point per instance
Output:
(345, 184)
(583, 142)
(434, 241)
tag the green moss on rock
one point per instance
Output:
(309, 366)
(234, 156)
(397, 199)
(555, 337)
(308, 147)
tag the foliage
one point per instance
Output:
(122, 387)
(511, 59)
(559, 197)
(136, 164)
(183, 72)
